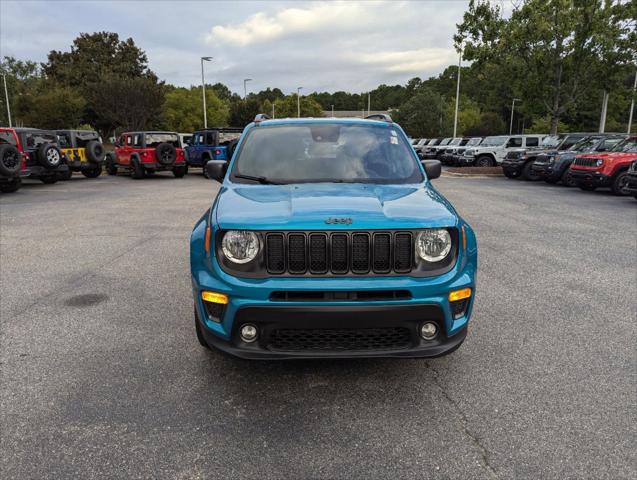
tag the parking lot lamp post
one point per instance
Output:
(298, 102)
(6, 98)
(245, 91)
(369, 102)
(273, 110)
(332, 111)
(630, 116)
(512, 109)
(455, 117)
(203, 91)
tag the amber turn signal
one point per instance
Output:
(207, 240)
(459, 294)
(214, 297)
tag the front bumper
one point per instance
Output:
(38, 171)
(464, 159)
(79, 165)
(158, 167)
(513, 166)
(590, 178)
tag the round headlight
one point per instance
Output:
(433, 245)
(599, 162)
(240, 246)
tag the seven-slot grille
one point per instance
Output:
(585, 162)
(321, 253)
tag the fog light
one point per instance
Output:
(428, 330)
(248, 333)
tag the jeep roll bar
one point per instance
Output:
(380, 116)
(260, 117)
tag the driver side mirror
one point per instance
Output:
(216, 169)
(433, 168)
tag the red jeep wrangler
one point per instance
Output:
(144, 153)
(13, 164)
(609, 169)
(39, 150)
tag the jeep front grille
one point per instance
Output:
(339, 339)
(585, 162)
(357, 252)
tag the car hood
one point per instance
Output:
(309, 206)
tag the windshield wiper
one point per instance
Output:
(261, 180)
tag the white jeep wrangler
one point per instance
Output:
(492, 150)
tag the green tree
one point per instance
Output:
(55, 108)
(490, 124)
(243, 112)
(96, 55)
(129, 103)
(182, 110)
(422, 114)
(554, 52)
(287, 107)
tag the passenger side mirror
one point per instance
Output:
(433, 168)
(216, 169)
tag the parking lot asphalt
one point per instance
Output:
(102, 376)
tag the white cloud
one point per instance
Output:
(423, 59)
(261, 27)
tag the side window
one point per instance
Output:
(129, 140)
(532, 141)
(137, 140)
(200, 139)
(210, 138)
(30, 140)
(7, 137)
(64, 141)
(514, 142)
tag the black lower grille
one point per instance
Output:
(356, 252)
(390, 338)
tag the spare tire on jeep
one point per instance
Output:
(231, 148)
(49, 155)
(165, 153)
(9, 160)
(95, 151)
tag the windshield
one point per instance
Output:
(474, 141)
(568, 142)
(494, 141)
(154, 139)
(455, 141)
(326, 153)
(627, 146)
(433, 141)
(551, 141)
(446, 141)
(586, 145)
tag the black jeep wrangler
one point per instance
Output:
(84, 152)
(12, 163)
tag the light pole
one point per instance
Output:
(273, 110)
(455, 118)
(298, 102)
(245, 92)
(6, 97)
(203, 91)
(369, 102)
(332, 111)
(630, 116)
(512, 108)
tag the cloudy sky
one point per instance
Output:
(322, 46)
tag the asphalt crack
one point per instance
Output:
(464, 426)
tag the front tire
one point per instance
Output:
(619, 184)
(111, 168)
(179, 172)
(65, 176)
(567, 179)
(49, 179)
(527, 173)
(509, 174)
(484, 161)
(93, 172)
(137, 170)
(200, 337)
(11, 186)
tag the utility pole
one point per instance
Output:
(272, 110)
(298, 102)
(332, 111)
(6, 98)
(369, 102)
(630, 117)
(602, 119)
(245, 91)
(203, 92)
(455, 117)
(512, 110)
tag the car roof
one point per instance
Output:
(310, 120)
(148, 131)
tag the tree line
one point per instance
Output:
(556, 57)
